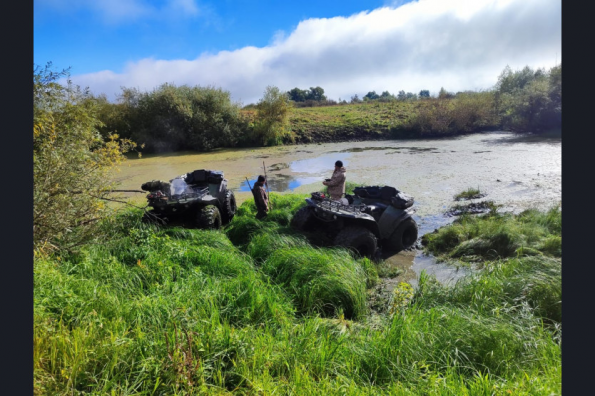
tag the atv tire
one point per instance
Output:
(229, 207)
(404, 236)
(209, 218)
(303, 219)
(359, 239)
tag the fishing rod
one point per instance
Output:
(266, 182)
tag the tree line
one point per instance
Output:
(79, 138)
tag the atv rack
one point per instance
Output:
(336, 206)
(189, 195)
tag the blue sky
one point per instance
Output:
(347, 47)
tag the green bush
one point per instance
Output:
(72, 163)
(172, 118)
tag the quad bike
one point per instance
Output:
(200, 196)
(370, 218)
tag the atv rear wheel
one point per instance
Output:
(209, 217)
(229, 207)
(404, 236)
(359, 239)
(303, 219)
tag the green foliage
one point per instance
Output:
(71, 162)
(323, 281)
(171, 118)
(151, 310)
(271, 125)
(469, 193)
(302, 95)
(499, 235)
(402, 95)
(467, 112)
(530, 100)
(444, 94)
(402, 296)
(371, 95)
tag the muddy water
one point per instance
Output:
(515, 171)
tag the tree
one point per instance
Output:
(171, 118)
(72, 163)
(530, 100)
(411, 96)
(272, 117)
(444, 94)
(298, 95)
(371, 95)
(355, 99)
(424, 93)
(316, 93)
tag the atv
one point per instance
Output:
(372, 217)
(200, 196)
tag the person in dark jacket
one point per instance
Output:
(336, 184)
(261, 198)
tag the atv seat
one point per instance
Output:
(375, 193)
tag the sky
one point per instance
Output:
(347, 47)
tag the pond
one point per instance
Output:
(516, 171)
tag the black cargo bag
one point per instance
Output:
(401, 201)
(204, 176)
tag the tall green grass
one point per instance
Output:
(255, 309)
(500, 235)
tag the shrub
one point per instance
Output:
(71, 162)
(271, 125)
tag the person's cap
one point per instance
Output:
(339, 163)
(260, 178)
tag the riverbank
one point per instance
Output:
(256, 309)
(376, 120)
(518, 171)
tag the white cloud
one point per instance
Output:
(429, 44)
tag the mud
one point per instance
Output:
(471, 208)
(517, 171)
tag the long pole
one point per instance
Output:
(266, 182)
(249, 183)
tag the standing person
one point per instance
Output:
(261, 198)
(336, 184)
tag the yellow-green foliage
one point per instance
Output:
(271, 124)
(72, 163)
(466, 112)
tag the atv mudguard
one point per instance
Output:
(390, 220)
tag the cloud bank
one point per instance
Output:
(428, 44)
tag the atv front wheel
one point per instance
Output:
(209, 217)
(302, 220)
(359, 239)
(229, 207)
(404, 236)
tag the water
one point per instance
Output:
(516, 171)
